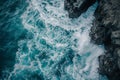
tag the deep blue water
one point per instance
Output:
(38, 41)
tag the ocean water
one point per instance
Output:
(45, 44)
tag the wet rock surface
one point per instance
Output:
(76, 7)
(105, 31)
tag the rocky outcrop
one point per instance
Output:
(105, 31)
(76, 7)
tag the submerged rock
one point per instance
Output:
(76, 7)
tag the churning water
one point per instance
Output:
(55, 46)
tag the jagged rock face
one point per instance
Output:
(107, 20)
(108, 66)
(117, 54)
(106, 30)
(76, 7)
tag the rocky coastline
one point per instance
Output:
(105, 31)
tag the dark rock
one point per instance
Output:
(116, 41)
(106, 30)
(118, 63)
(96, 35)
(115, 34)
(117, 54)
(108, 66)
(76, 7)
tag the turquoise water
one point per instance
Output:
(55, 47)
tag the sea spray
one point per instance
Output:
(56, 47)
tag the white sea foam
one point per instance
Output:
(55, 37)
